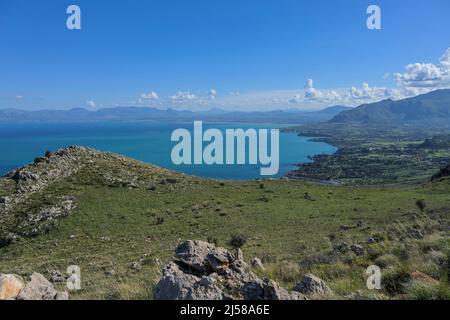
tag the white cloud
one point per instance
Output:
(91, 104)
(182, 96)
(418, 78)
(212, 94)
(426, 75)
(313, 94)
(365, 92)
(149, 96)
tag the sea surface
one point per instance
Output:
(150, 142)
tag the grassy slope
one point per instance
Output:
(115, 225)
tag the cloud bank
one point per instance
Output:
(418, 78)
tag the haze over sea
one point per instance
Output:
(147, 141)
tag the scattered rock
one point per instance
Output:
(341, 247)
(312, 285)
(56, 277)
(135, 266)
(357, 249)
(371, 240)
(157, 262)
(415, 234)
(35, 223)
(110, 273)
(39, 288)
(257, 263)
(7, 239)
(10, 286)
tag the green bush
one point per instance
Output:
(393, 281)
(421, 290)
(237, 240)
(386, 260)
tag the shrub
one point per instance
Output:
(374, 251)
(213, 240)
(421, 290)
(386, 260)
(287, 271)
(421, 204)
(394, 280)
(403, 253)
(238, 240)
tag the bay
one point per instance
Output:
(147, 141)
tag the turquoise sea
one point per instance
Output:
(20, 143)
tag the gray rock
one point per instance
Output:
(135, 266)
(10, 286)
(110, 273)
(341, 247)
(371, 240)
(195, 254)
(415, 234)
(56, 277)
(239, 255)
(312, 285)
(177, 284)
(220, 259)
(39, 288)
(257, 263)
(357, 249)
(268, 290)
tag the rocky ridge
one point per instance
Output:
(19, 217)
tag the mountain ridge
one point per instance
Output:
(153, 114)
(433, 106)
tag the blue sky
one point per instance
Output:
(236, 54)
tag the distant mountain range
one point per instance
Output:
(433, 107)
(151, 114)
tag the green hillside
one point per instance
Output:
(430, 107)
(108, 214)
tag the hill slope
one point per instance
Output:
(120, 220)
(433, 106)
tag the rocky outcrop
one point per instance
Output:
(34, 180)
(178, 284)
(13, 287)
(195, 255)
(54, 166)
(10, 286)
(312, 285)
(206, 272)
